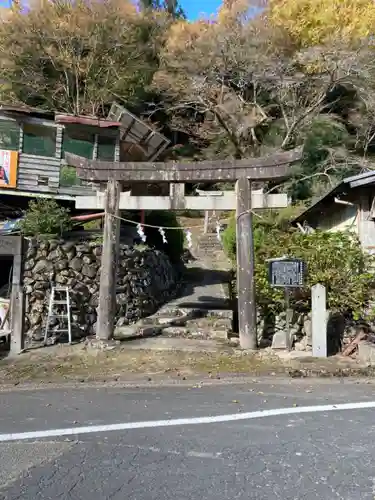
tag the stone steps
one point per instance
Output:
(208, 244)
(185, 326)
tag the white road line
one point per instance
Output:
(126, 426)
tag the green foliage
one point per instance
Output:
(97, 241)
(68, 176)
(171, 6)
(326, 131)
(45, 217)
(324, 137)
(333, 259)
(267, 220)
(92, 224)
(229, 239)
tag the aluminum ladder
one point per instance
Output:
(59, 297)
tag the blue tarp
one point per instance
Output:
(9, 226)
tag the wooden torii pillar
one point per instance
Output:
(272, 167)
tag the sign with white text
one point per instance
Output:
(287, 273)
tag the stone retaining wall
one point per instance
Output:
(146, 280)
(340, 330)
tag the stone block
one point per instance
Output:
(366, 353)
(217, 334)
(280, 340)
(302, 345)
(125, 332)
(131, 331)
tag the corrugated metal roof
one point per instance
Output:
(358, 177)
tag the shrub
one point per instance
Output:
(334, 259)
(229, 239)
(45, 217)
(270, 219)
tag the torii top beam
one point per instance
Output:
(274, 166)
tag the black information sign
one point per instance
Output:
(287, 273)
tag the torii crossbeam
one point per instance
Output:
(272, 167)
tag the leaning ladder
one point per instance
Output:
(59, 297)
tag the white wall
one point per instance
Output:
(339, 218)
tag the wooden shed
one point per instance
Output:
(33, 144)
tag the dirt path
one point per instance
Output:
(82, 363)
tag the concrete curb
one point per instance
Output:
(191, 382)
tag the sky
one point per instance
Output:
(193, 8)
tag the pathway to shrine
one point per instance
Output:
(207, 276)
(202, 310)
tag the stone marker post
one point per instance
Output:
(319, 321)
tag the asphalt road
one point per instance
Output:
(321, 455)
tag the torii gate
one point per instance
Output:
(272, 167)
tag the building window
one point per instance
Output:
(9, 135)
(43, 180)
(39, 140)
(106, 148)
(78, 142)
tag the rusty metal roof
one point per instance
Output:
(27, 110)
(89, 121)
(86, 120)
